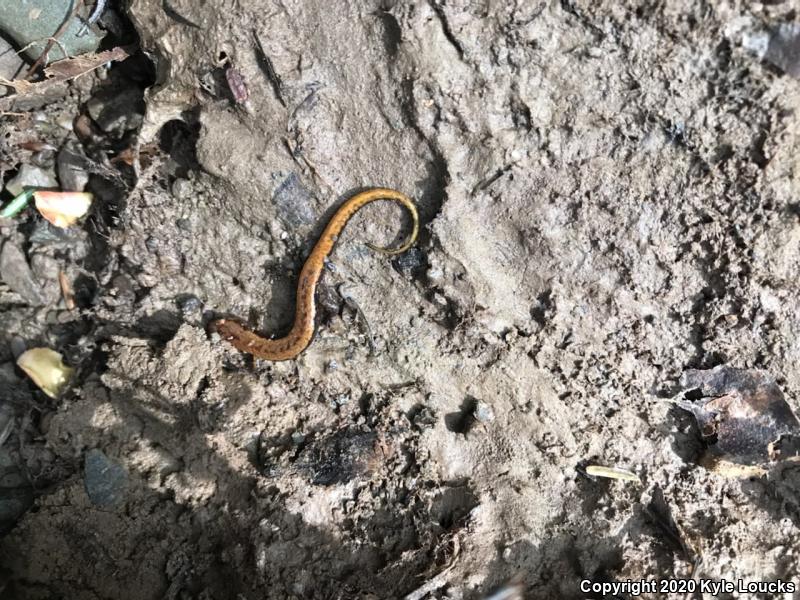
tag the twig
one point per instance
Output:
(25, 48)
(269, 70)
(612, 473)
(14, 207)
(66, 290)
(440, 580)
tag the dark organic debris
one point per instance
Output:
(743, 417)
(64, 70)
(265, 62)
(340, 457)
(117, 110)
(411, 264)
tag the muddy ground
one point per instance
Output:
(610, 196)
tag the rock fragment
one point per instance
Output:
(16, 274)
(31, 176)
(106, 481)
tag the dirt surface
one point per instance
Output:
(609, 195)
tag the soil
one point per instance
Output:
(609, 197)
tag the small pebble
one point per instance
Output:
(181, 188)
(17, 275)
(342, 399)
(65, 120)
(484, 413)
(31, 176)
(71, 174)
(783, 49)
(45, 233)
(410, 263)
(293, 203)
(18, 346)
(44, 159)
(435, 274)
(190, 304)
(106, 481)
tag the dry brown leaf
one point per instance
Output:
(69, 68)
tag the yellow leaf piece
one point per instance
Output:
(62, 209)
(612, 473)
(45, 367)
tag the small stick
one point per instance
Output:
(612, 473)
(265, 63)
(66, 290)
(14, 207)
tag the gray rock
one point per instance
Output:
(16, 274)
(780, 46)
(45, 269)
(71, 174)
(17, 346)
(190, 304)
(31, 176)
(6, 420)
(293, 202)
(484, 413)
(783, 50)
(182, 188)
(10, 64)
(106, 481)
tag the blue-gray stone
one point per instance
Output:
(294, 202)
(30, 23)
(106, 481)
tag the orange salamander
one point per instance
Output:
(302, 332)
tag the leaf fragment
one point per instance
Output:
(62, 209)
(46, 369)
